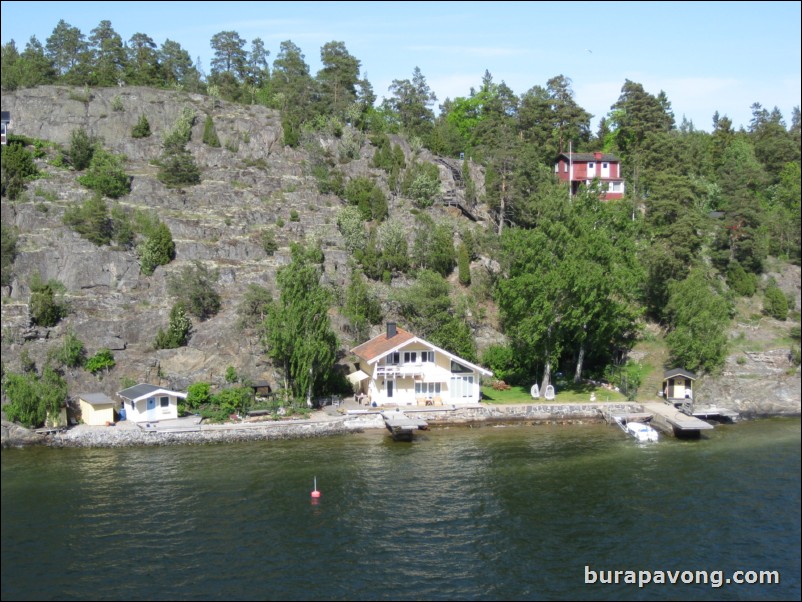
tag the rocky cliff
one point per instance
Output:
(248, 184)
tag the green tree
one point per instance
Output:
(198, 394)
(66, 48)
(194, 287)
(106, 175)
(32, 398)
(9, 253)
(157, 249)
(697, 316)
(297, 330)
(427, 308)
(45, 306)
(178, 330)
(210, 134)
(17, 167)
(91, 220)
(775, 303)
(338, 79)
(464, 265)
(72, 352)
(230, 55)
(108, 55)
(82, 148)
(361, 308)
(411, 101)
(142, 128)
(142, 64)
(255, 305)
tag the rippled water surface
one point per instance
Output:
(476, 514)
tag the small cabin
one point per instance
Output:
(97, 409)
(678, 385)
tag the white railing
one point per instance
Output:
(405, 370)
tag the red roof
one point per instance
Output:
(380, 345)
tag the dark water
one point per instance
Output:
(492, 513)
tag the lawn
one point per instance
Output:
(565, 392)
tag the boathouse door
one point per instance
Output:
(151, 409)
(389, 391)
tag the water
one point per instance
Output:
(475, 514)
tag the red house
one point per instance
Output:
(584, 168)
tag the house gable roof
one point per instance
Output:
(96, 399)
(380, 346)
(679, 372)
(142, 390)
(588, 157)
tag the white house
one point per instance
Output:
(149, 403)
(399, 368)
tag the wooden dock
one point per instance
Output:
(673, 421)
(401, 426)
(717, 414)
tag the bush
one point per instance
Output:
(44, 306)
(198, 394)
(742, 282)
(194, 288)
(158, 249)
(775, 303)
(178, 330)
(91, 220)
(177, 168)
(32, 399)
(141, 129)
(82, 148)
(106, 175)
(269, 241)
(102, 360)
(9, 253)
(72, 352)
(17, 167)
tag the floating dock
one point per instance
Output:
(401, 426)
(673, 421)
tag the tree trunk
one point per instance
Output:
(502, 203)
(579, 360)
(546, 377)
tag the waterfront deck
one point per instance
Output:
(673, 421)
(401, 426)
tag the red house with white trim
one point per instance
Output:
(584, 168)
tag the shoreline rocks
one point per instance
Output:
(127, 434)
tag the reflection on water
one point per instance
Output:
(491, 513)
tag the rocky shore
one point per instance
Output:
(190, 431)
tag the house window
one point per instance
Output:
(591, 165)
(605, 165)
(615, 187)
(164, 402)
(556, 168)
(427, 389)
(410, 357)
(456, 367)
(461, 386)
(427, 356)
(393, 358)
(565, 167)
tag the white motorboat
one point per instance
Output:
(641, 432)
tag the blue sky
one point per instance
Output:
(706, 56)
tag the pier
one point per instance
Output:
(401, 426)
(673, 421)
